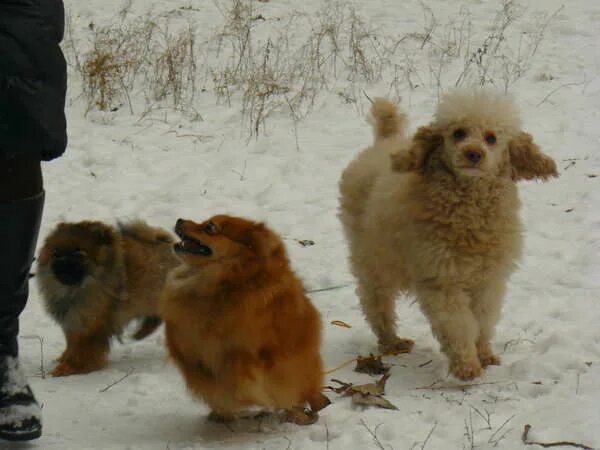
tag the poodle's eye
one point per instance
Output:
(210, 228)
(490, 138)
(459, 134)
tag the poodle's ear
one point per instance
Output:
(414, 158)
(527, 161)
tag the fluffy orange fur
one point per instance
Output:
(238, 324)
(436, 216)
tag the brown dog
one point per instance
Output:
(95, 279)
(238, 324)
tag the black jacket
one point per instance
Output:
(33, 79)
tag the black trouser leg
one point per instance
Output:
(21, 204)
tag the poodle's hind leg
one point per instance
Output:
(454, 326)
(378, 305)
(486, 306)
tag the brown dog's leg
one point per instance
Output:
(147, 327)
(83, 354)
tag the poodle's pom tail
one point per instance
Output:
(387, 121)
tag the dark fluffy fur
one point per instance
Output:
(95, 278)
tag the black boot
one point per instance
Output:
(20, 414)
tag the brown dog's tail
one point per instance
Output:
(386, 119)
(147, 327)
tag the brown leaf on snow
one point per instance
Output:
(372, 364)
(370, 394)
(340, 323)
(372, 400)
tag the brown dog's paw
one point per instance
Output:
(63, 369)
(61, 358)
(396, 346)
(464, 370)
(300, 416)
(320, 402)
(218, 417)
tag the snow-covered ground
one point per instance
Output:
(167, 164)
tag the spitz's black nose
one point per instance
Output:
(178, 226)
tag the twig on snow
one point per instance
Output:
(312, 291)
(373, 434)
(429, 436)
(527, 441)
(289, 441)
(485, 417)
(41, 341)
(560, 87)
(129, 372)
(491, 440)
(366, 95)
(456, 386)
(469, 431)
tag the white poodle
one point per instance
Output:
(437, 215)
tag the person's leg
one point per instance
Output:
(21, 204)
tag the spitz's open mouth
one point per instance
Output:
(191, 245)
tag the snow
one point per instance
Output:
(167, 165)
(14, 380)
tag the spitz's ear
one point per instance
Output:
(101, 232)
(261, 240)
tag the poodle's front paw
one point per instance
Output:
(489, 360)
(486, 356)
(396, 345)
(465, 370)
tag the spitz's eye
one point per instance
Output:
(459, 134)
(490, 138)
(210, 228)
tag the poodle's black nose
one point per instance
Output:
(473, 155)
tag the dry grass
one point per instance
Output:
(110, 68)
(173, 66)
(280, 65)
